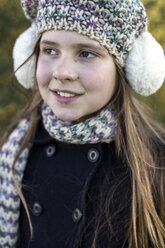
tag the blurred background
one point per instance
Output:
(13, 23)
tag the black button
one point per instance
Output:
(76, 215)
(50, 150)
(37, 209)
(93, 155)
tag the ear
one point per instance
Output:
(145, 65)
(23, 48)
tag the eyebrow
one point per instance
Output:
(76, 45)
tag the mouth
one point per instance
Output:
(63, 96)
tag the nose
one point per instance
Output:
(65, 69)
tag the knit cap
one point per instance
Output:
(118, 25)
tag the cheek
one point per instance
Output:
(91, 78)
(100, 77)
(43, 73)
(101, 80)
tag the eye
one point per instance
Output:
(87, 54)
(49, 51)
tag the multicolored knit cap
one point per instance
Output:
(118, 25)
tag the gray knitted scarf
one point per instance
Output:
(100, 128)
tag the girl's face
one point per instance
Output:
(76, 76)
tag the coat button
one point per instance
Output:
(93, 155)
(50, 150)
(37, 209)
(76, 215)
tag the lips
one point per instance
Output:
(64, 96)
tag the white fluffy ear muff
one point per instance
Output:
(145, 65)
(23, 48)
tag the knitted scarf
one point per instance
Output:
(100, 128)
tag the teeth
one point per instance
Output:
(64, 94)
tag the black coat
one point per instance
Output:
(62, 189)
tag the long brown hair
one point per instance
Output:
(139, 143)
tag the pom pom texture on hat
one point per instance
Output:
(145, 65)
(23, 48)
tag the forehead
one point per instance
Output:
(69, 38)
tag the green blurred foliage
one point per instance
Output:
(156, 19)
(13, 23)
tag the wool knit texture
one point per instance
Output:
(115, 24)
(100, 128)
(9, 199)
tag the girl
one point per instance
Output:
(84, 157)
